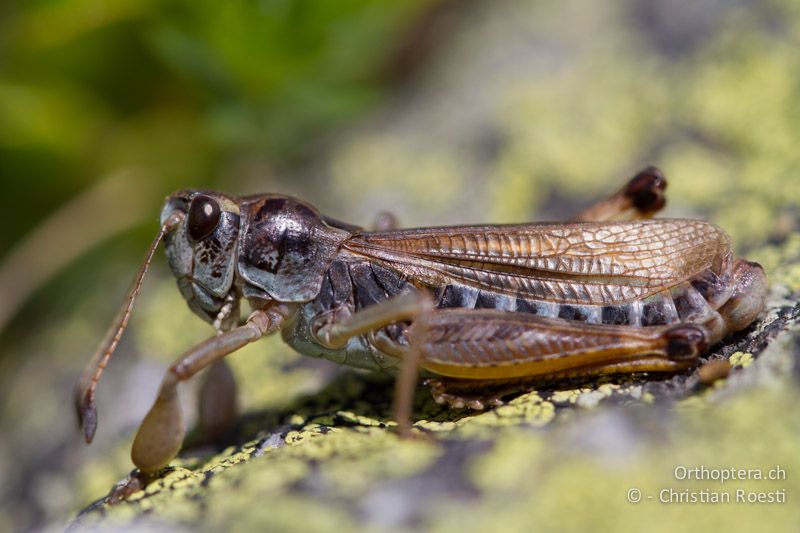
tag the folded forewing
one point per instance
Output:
(584, 263)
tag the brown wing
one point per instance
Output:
(582, 263)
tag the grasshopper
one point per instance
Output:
(480, 311)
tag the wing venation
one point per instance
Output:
(584, 263)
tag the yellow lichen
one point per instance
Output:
(741, 359)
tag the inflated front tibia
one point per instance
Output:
(161, 433)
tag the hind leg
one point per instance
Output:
(469, 394)
(479, 395)
(642, 197)
(481, 353)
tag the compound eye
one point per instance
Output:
(203, 217)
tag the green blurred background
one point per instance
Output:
(443, 111)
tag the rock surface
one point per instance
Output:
(476, 133)
(555, 458)
(524, 111)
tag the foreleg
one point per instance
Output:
(161, 433)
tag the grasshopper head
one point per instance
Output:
(201, 230)
(202, 250)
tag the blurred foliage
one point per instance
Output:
(178, 90)
(709, 94)
(524, 110)
(106, 107)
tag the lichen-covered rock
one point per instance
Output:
(608, 455)
(524, 111)
(554, 458)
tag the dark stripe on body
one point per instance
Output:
(364, 284)
(654, 313)
(573, 312)
(617, 315)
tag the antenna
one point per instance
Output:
(84, 392)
